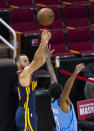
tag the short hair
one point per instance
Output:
(55, 90)
(18, 57)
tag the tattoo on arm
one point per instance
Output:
(51, 71)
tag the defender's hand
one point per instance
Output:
(79, 68)
(48, 51)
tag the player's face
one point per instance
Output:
(24, 61)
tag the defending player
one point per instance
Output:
(62, 107)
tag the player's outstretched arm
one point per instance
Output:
(38, 61)
(50, 68)
(65, 93)
(39, 57)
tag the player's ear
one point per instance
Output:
(18, 64)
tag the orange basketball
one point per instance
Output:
(45, 16)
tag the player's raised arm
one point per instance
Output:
(38, 61)
(65, 93)
(50, 68)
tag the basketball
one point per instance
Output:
(45, 16)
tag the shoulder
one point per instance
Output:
(55, 102)
(18, 73)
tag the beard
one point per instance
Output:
(22, 67)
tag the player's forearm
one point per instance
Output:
(39, 57)
(69, 85)
(51, 70)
